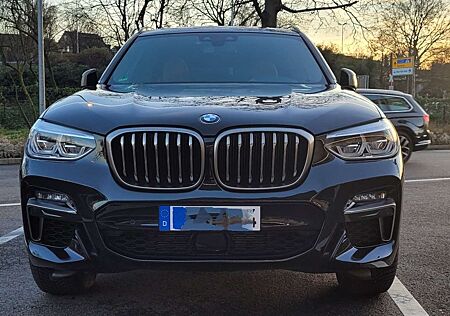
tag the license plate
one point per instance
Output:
(209, 218)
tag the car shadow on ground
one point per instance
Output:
(262, 293)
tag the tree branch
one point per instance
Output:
(258, 8)
(331, 7)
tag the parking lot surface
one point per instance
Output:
(423, 269)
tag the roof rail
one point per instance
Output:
(295, 29)
(142, 29)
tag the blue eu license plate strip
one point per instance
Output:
(209, 218)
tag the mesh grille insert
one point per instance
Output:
(152, 244)
(57, 233)
(364, 233)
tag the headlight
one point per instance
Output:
(50, 141)
(371, 141)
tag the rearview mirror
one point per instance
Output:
(89, 79)
(348, 79)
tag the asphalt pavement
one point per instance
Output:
(423, 269)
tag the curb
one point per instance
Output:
(438, 147)
(10, 161)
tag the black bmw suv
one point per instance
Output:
(213, 148)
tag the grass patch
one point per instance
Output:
(14, 135)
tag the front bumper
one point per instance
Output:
(422, 144)
(321, 199)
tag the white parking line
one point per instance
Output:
(427, 180)
(10, 204)
(404, 300)
(11, 235)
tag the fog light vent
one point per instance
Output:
(57, 233)
(370, 224)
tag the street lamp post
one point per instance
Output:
(41, 57)
(342, 36)
(77, 16)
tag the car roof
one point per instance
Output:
(217, 29)
(383, 91)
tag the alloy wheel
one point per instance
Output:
(406, 147)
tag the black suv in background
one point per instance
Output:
(213, 148)
(408, 117)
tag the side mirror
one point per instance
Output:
(348, 79)
(89, 79)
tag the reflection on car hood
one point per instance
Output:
(102, 111)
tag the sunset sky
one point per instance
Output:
(324, 27)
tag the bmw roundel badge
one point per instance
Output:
(210, 118)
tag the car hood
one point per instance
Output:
(102, 111)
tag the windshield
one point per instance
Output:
(217, 58)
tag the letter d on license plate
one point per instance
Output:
(209, 218)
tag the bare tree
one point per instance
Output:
(181, 13)
(419, 28)
(225, 12)
(269, 13)
(159, 8)
(77, 15)
(19, 16)
(121, 18)
(118, 20)
(17, 51)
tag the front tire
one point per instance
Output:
(371, 283)
(77, 283)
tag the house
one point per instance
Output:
(71, 42)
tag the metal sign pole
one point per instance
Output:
(77, 27)
(41, 57)
(414, 78)
(391, 74)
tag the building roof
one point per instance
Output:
(68, 40)
(81, 34)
